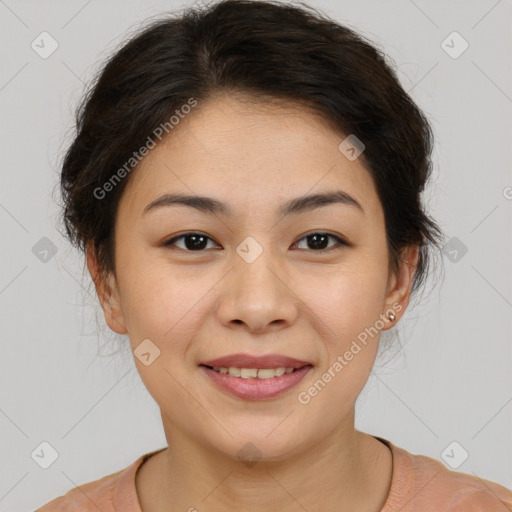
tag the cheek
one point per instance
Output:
(347, 305)
(167, 308)
(163, 303)
(346, 310)
(348, 299)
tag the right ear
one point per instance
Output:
(108, 293)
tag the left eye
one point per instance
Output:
(197, 241)
(319, 239)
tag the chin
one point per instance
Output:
(254, 445)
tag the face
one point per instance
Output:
(305, 284)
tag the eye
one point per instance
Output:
(198, 241)
(319, 239)
(193, 241)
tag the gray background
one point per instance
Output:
(449, 380)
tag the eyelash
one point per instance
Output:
(341, 241)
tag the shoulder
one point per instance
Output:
(423, 483)
(459, 491)
(90, 496)
(103, 494)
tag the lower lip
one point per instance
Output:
(256, 389)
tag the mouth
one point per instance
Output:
(253, 373)
(255, 383)
(267, 361)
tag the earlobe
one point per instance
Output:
(399, 291)
(107, 292)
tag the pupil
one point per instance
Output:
(199, 242)
(315, 239)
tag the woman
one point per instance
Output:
(246, 182)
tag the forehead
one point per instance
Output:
(246, 152)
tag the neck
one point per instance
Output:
(333, 474)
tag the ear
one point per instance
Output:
(400, 283)
(108, 294)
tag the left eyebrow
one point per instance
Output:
(293, 206)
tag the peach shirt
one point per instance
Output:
(419, 484)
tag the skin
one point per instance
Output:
(294, 299)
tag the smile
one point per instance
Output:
(255, 383)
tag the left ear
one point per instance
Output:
(400, 283)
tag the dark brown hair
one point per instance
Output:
(268, 50)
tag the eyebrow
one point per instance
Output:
(293, 206)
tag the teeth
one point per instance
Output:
(235, 372)
(247, 373)
(253, 373)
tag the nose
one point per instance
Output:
(258, 296)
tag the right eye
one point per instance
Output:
(192, 241)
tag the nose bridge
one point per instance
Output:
(255, 261)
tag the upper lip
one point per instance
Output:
(248, 361)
